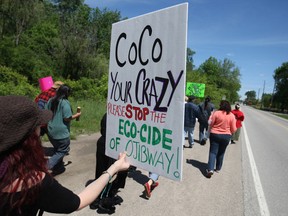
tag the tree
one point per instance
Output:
(266, 100)
(16, 16)
(189, 60)
(250, 97)
(281, 83)
(224, 75)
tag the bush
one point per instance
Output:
(13, 83)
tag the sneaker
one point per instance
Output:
(58, 171)
(203, 142)
(106, 205)
(147, 190)
(233, 142)
(191, 146)
(209, 173)
(117, 200)
(154, 185)
(95, 204)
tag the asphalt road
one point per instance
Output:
(194, 195)
(265, 177)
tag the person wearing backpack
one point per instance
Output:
(205, 110)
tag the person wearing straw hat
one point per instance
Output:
(44, 96)
(26, 187)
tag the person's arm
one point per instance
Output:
(93, 190)
(68, 115)
(73, 117)
(233, 127)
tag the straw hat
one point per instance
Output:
(19, 117)
(57, 84)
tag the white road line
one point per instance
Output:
(264, 211)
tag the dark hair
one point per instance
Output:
(191, 98)
(25, 162)
(62, 93)
(225, 106)
(207, 100)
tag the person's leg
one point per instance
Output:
(102, 161)
(185, 133)
(225, 139)
(61, 148)
(204, 134)
(187, 130)
(153, 176)
(190, 131)
(201, 132)
(151, 184)
(237, 134)
(213, 151)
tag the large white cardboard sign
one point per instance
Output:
(145, 106)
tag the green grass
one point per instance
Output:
(285, 116)
(89, 122)
(91, 115)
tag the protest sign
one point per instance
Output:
(145, 105)
(195, 89)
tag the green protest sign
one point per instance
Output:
(195, 89)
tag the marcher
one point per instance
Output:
(151, 184)
(59, 128)
(191, 112)
(108, 199)
(44, 96)
(26, 187)
(205, 110)
(223, 125)
(239, 116)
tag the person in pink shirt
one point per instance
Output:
(222, 126)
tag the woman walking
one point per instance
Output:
(223, 125)
(59, 128)
(239, 116)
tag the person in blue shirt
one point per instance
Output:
(190, 114)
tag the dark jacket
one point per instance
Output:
(190, 114)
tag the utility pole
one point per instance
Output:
(271, 105)
(262, 95)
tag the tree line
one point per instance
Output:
(278, 99)
(70, 41)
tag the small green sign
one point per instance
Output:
(195, 89)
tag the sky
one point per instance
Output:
(253, 34)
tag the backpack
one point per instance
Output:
(203, 115)
(41, 103)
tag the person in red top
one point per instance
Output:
(223, 125)
(44, 96)
(239, 116)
